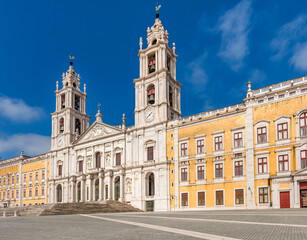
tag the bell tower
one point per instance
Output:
(69, 119)
(157, 92)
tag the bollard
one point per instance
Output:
(4, 214)
(15, 213)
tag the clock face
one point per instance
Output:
(149, 114)
(60, 141)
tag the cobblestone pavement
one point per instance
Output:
(254, 224)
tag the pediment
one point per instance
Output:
(98, 130)
(300, 172)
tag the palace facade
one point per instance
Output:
(249, 155)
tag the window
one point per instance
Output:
(61, 125)
(218, 170)
(17, 179)
(30, 177)
(303, 159)
(170, 96)
(77, 126)
(8, 194)
(77, 103)
(282, 131)
(17, 193)
(43, 173)
(36, 192)
(80, 166)
(60, 168)
(4, 180)
(200, 146)
(98, 160)
(219, 197)
(151, 94)
(30, 192)
(184, 149)
(263, 195)
(151, 185)
(63, 102)
(151, 64)
(201, 198)
(184, 199)
(168, 63)
(303, 125)
(118, 159)
(238, 140)
(262, 165)
(261, 135)
(24, 177)
(283, 163)
(150, 153)
(239, 168)
(13, 179)
(239, 194)
(43, 191)
(24, 193)
(184, 174)
(200, 172)
(218, 143)
(3, 194)
(8, 179)
(36, 175)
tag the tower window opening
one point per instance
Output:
(74, 85)
(151, 94)
(78, 126)
(152, 63)
(63, 102)
(168, 62)
(77, 103)
(61, 125)
(170, 96)
(154, 42)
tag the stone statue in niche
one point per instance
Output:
(108, 159)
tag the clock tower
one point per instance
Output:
(157, 92)
(69, 119)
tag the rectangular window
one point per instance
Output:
(150, 153)
(30, 192)
(60, 168)
(218, 143)
(283, 162)
(201, 198)
(282, 131)
(118, 159)
(238, 168)
(24, 193)
(184, 149)
(218, 170)
(262, 165)
(219, 197)
(184, 174)
(303, 159)
(8, 180)
(43, 173)
(12, 193)
(63, 102)
(3, 194)
(200, 146)
(263, 195)
(77, 102)
(13, 179)
(8, 194)
(261, 135)
(17, 193)
(36, 192)
(238, 140)
(36, 175)
(303, 125)
(239, 194)
(43, 191)
(30, 177)
(184, 199)
(80, 166)
(201, 172)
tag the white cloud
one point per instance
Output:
(31, 144)
(18, 111)
(234, 28)
(287, 35)
(298, 60)
(197, 74)
(257, 76)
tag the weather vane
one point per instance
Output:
(157, 9)
(99, 106)
(71, 57)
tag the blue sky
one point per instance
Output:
(221, 46)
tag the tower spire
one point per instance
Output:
(157, 9)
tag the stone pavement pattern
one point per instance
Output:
(264, 224)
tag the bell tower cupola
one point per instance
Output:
(157, 91)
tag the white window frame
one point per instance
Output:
(297, 123)
(148, 144)
(218, 134)
(115, 151)
(264, 154)
(201, 164)
(184, 140)
(236, 159)
(36, 171)
(23, 178)
(181, 200)
(279, 152)
(269, 197)
(200, 206)
(184, 183)
(197, 138)
(260, 124)
(43, 179)
(31, 176)
(218, 161)
(234, 197)
(298, 150)
(215, 190)
(234, 131)
(281, 120)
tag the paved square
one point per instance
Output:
(257, 224)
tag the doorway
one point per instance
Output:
(117, 189)
(284, 199)
(96, 189)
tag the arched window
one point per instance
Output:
(154, 42)
(59, 193)
(61, 125)
(151, 94)
(77, 103)
(78, 126)
(152, 64)
(151, 185)
(98, 160)
(303, 125)
(170, 96)
(63, 102)
(168, 63)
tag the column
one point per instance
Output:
(176, 158)
(122, 187)
(100, 186)
(82, 189)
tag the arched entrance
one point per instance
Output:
(96, 189)
(59, 193)
(151, 185)
(117, 189)
(79, 192)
